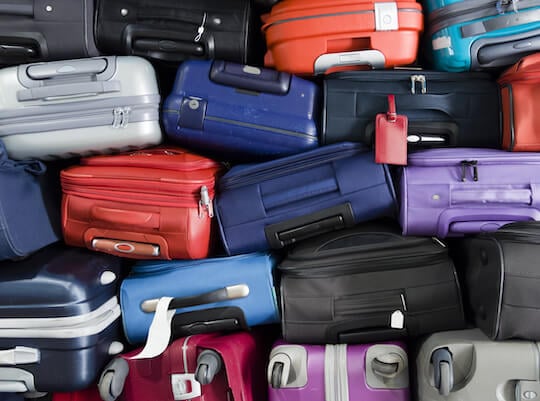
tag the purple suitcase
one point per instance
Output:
(374, 372)
(451, 192)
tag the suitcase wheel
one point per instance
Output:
(111, 382)
(386, 369)
(208, 365)
(443, 374)
(277, 373)
(445, 382)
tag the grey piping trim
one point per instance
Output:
(408, 10)
(261, 127)
(53, 108)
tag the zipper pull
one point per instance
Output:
(205, 203)
(438, 242)
(421, 79)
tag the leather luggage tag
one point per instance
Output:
(391, 136)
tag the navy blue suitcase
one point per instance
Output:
(274, 204)
(240, 112)
(26, 224)
(59, 319)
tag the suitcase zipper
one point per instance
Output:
(257, 173)
(483, 157)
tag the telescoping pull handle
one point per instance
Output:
(220, 295)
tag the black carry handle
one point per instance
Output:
(288, 232)
(17, 51)
(223, 319)
(250, 78)
(17, 7)
(424, 134)
(512, 51)
(168, 46)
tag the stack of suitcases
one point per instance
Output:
(264, 200)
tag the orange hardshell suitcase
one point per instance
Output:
(149, 204)
(520, 96)
(311, 37)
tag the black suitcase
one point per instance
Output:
(173, 31)
(44, 30)
(501, 280)
(368, 284)
(443, 109)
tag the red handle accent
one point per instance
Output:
(391, 114)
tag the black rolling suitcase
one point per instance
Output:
(443, 109)
(45, 30)
(368, 284)
(173, 31)
(501, 276)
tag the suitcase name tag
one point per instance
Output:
(391, 136)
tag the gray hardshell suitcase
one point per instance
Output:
(40, 30)
(73, 108)
(59, 320)
(465, 365)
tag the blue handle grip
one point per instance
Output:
(250, 78)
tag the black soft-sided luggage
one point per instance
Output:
(501, 275)
(368, 284)
(173, 31)
(443, 109)
(36, 30)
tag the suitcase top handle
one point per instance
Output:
(57, 69)
(373, 58)
(220, 295)
(250, 78)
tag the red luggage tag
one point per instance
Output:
(391, 136)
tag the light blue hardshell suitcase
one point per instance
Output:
(217, 294)
(480, 34)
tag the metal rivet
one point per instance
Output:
(193, 104)
(216, 20)
(124, 12)
(435, 197)
(48, 8)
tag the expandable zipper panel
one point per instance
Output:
(449, 157)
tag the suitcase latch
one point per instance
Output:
(386, 16)
(418, 80)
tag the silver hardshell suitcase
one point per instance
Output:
(73, 108)
(465, 365)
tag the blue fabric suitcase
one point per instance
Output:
(478, 34)
(239, 112)
(25, 223)
(274, 204)
(216, 294)
(59, 319)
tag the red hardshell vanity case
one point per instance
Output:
(149, 204)
(202, 367)
(308, 37)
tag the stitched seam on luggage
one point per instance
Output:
(261, 127)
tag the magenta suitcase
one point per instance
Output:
(362, 372)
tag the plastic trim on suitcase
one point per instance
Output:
(290, 231)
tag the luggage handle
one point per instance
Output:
(17, 7)
(68, 90)
(223, 294)
(19, 356)
(443, 373)
(463, 196)
(426, 133)
(517, 48)
(373, 58)
(57, 69)
(290, 231)
(491, 219)
(10, 50)
(168, 46)
(250, 78)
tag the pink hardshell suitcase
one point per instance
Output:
(374, 372)
(201, 367)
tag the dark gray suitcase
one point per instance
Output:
(501, 278)
(59, 320)
(45, 30)
(368, 284)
